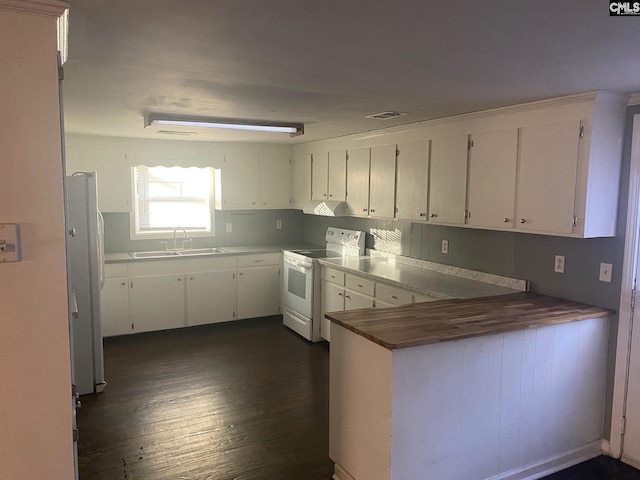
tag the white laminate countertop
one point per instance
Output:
(124, 257)
(417, 279)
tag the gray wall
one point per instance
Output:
(255, 227)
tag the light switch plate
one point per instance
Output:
(229, 227)
(10, 245)
(559, 264)
(445, 246)
(279, 224)
(605, 272)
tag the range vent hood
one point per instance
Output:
(327, 208)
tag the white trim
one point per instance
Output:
(606, 447)
(625, 314)
(634, 99)
(552, 464)
(47, 8)
(630, 461)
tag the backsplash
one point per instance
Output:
(252, 227)
(518, 255)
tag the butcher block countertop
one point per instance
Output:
(445, 320)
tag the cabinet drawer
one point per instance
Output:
(259, 260)
(116, 270)
(393, 295)
(360, 284)
(333, 276)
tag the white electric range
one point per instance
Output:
(301, 280)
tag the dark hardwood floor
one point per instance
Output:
(245, 400)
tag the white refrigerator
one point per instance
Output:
(86, 263)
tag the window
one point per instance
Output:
(168, 197)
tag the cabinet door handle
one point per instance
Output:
(364, 209)
(506, 220)
(393, 296)
(264, 203)
(373, 210)
(331, 194)
(360, 285)
(258, 261)
(340, 294)
(190, 278)
(179, 279)
(324, 194)
(522, 220)
(123, 283)
(433, 215)
(422, 214)
(240, 273)
(347, 296)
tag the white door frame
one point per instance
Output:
(625, 313)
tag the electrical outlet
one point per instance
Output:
(279, 224)
(445, 246)
(229, 228)
(559, 265)
(605, 272)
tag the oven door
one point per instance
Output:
(297, 287)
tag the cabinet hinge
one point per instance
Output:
(133, 326)
(470, 144)
(397, 152)
(60, 73)
(234, 314)
(278, 272)
(347, 156)
(623, 425)
(234, 276)
(75, 434)
(396, 209)
(581, 131)
(575, 220)
(131, 283)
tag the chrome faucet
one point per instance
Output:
(186, 237)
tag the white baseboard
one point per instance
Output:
(606, 448)
(341, 474)
(552, 464)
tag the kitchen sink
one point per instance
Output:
(155, 254)
(200, 251)
(176, 253)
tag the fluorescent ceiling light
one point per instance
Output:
(294, 129)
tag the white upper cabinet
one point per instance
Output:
(275, 181)
(113, 176)
(412, 181)
(251, 181)
(358, 181)
(239, 182)
(382, 183)
(492, 178)
(320, 176)
(338, 175)
(547, 177)
(448, 180)
(301, 180)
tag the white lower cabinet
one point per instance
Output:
(210, 297)
(355, 301)
(159, 295)
(115, 307)
(258, 285)
(332, 301)
(157, 302)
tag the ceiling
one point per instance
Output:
(329, 63)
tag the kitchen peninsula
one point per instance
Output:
(500, 387)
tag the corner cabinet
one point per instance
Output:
(251, 181)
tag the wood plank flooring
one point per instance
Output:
(237, 401)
